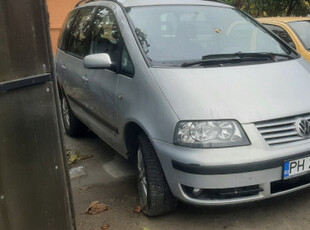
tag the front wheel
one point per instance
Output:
(154, 193)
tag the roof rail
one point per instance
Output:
(87, 1)
(83, 1)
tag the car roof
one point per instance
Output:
(133, 3)
(284, 19)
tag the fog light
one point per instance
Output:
(197, 191)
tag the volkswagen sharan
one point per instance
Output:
(210, 106)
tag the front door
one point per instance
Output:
(105, 38)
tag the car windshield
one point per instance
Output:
(172, 35)
(302, 29)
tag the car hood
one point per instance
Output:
(245, 93)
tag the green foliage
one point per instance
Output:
(271, 8)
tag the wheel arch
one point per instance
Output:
(131, 131)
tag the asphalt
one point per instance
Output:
(110, 179)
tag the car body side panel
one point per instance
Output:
(73, 80)
(137, 98)
(142, 100)
(102, 87)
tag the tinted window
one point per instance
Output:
(77, 42)
(106, 38)
(281, 33)
(64, 33)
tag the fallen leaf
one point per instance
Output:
(144, 228)
(106, 226)
(138, 209)
(96, 208)
(85, 156)
(73, 158)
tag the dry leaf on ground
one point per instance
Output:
(106, 226)
(138, 209)
(96, 208)
(74, 157)
(82, 157)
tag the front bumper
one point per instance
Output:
(257, 168)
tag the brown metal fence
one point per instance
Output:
(34, 184)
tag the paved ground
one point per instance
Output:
(109, 184)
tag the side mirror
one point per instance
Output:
(97, 61)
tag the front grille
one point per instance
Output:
(281, 131)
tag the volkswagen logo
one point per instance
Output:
(303, 128)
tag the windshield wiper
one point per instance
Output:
(217, 59)
(272, 56)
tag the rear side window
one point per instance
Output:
(281, 33)
(79, 34)
(64, 33)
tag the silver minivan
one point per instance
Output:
(210, 106)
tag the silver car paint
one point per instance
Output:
(132, 107)
(245, 93)
(158, 98)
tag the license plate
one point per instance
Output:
(297, 167)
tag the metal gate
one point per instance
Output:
(35, 189)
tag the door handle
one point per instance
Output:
(63, 67)
(85, 80)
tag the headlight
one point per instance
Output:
(210, 134)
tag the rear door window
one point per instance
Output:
(78, 39)
(64, 33)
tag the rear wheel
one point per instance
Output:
(154, 193)
(73, 126)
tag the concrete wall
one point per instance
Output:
(58, 10)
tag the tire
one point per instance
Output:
(154, 193)
(73, 126)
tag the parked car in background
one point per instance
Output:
(210, 105)
(293, 30)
